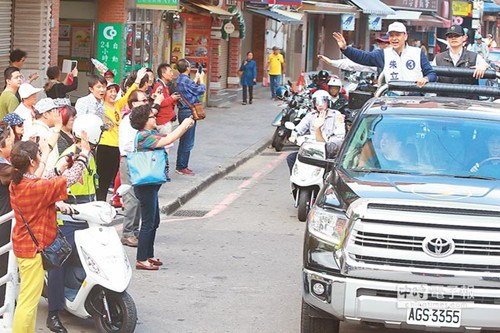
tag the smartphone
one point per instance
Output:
(200, 69)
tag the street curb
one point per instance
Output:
(219, 172)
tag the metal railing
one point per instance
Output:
(10, 280)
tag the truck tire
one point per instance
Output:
(317, 321)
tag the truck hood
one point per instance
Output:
(417, 187)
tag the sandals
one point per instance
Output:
(155, 261)
(148, 267)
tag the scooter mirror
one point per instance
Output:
(123, 189)
(289, 125)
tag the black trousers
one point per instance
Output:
(107, 163)
(250, 93)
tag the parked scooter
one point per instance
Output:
(306, 180)
(96, 286)
(297, 107)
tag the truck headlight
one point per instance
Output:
(327, 225)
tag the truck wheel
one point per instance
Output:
(304, 198)
(316, 321)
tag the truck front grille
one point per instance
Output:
(415, 243)
(428, 264)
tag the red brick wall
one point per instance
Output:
(111, 11)
(258, 44)
(214, 62)
(234, 59)
(54, 33)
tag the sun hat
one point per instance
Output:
(26, 90)
(13, 119)
(45, 104)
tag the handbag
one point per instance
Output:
(55, 254)
(240, 73)
(146, 167)
(196, 109)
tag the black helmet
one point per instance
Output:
(323, 75)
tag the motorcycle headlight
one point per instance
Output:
(327, 225)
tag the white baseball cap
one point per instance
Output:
(26, 90)
(45, 104)
(396, 27)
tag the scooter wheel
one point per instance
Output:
(122, 310)
(304, 198)
(279, 142)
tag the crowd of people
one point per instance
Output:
(61, 154)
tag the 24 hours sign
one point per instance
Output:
(110, 47)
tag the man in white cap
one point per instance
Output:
(399, 62)
(479, 47)
(47, 125)
(26, 109)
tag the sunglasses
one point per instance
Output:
(20, 125)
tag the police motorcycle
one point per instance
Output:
(96, 277)
(296, 108)
(306, 180)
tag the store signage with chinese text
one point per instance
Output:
(431, 5)
(461, 8)
(110, 46)
(158, 4)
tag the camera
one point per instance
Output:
(200, 69)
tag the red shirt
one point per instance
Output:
(36, 199)
(166, 112)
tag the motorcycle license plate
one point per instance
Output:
(433, 317)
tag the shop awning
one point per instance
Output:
(431, 22)
(375, 7)
(294, 15)
(274, 16)
(212, 10)
(318, 7)
(491, 7)
(404, 15)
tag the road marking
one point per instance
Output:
(231, 197)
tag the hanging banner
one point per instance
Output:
(374, 23)
(109, 46)
(461, 8)
(348, 21)
(158, 4)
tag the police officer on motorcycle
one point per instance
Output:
(325, 123)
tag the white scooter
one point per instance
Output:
(306, 180)
(96, 287)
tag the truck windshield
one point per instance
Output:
(430, 145)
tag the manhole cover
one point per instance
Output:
(236, 178)
(191, 213)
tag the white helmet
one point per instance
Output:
(335, 82)
(89, 123)
(320, 96)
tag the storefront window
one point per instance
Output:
(139, 45)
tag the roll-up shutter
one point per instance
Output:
(31, 33)
(224, 58)
(5, 33)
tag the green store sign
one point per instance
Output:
(158, 4)
(110, 46)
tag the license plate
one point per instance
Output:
(434, 317)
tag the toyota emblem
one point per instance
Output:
(438, 247)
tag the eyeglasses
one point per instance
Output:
(20, 125)
(453, 36)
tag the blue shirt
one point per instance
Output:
(190, 90)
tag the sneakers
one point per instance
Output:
(131, 241)
(54, 324)
(185, 172)
(244, 103)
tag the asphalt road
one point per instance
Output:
(233, 261)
